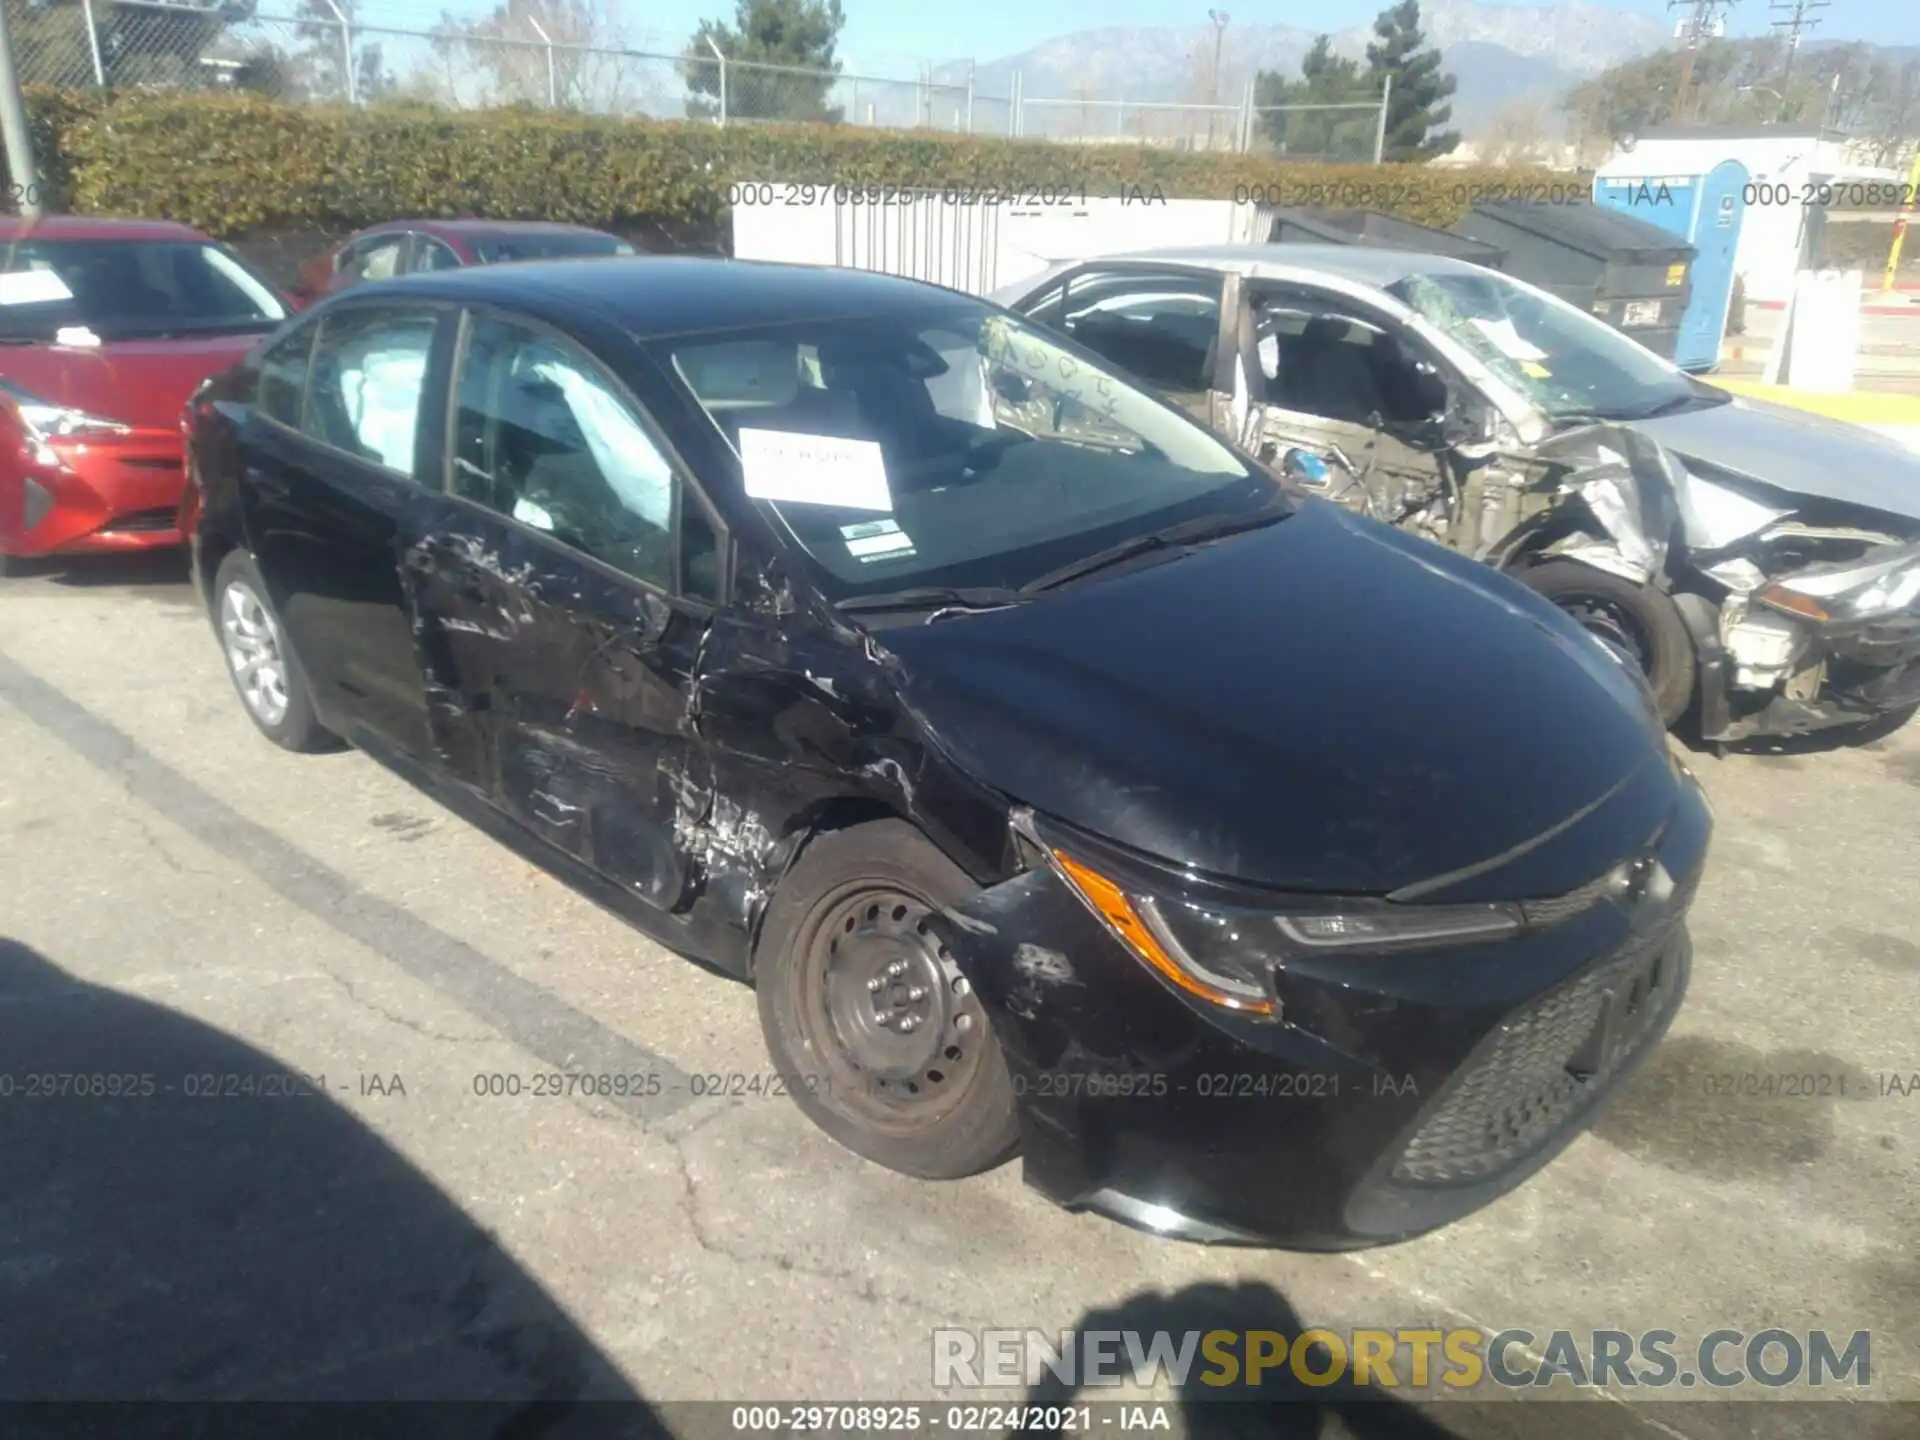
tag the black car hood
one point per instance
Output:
(1323, 705)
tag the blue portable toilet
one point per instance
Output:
(1706, 211)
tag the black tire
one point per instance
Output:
(1881, 727)
(1642, 620)
(933, 1099)
(296, 727)
(11, 565)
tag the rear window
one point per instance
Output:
(80, 291)
(497, 249)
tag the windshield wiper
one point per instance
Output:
(1187, 532)
(1689, 401)
(1671, 406)
(928, 597)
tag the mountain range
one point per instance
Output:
(1498, 54)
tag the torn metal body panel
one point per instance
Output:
(1602, 495)
(1484, 415)
(1806, 610)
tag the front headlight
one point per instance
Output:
(44, 420)
(1227, 956)
(1856, 590)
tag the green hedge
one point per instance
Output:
(236, 164)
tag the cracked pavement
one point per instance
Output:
(179, 900)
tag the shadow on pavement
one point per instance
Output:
(99, 572)
(182, 1240)
(1281, 1406)
(1275, 1405)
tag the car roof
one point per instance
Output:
(471, 227)
(90, 227)
(653, 295)
(1364, 264)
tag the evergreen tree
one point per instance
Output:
(797, 33)
(1325, 79)
(1417, 109)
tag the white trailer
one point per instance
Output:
(971, 243)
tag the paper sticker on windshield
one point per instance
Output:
(814, 470)
(32, 287)
(1502, 334)
(877, 540)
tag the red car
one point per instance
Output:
(406, 247)
(106, 327)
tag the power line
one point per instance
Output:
(1700, 23)
(1796, 13)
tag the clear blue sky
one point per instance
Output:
(988, 29)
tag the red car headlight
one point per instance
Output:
(44, 420)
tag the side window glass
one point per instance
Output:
(1161, 329)
(283, 378)
(541, 434)
(433, 255)
(376, 258)
(369, 369)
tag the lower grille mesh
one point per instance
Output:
(1540, 1070)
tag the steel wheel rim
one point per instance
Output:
(254, 654)
(897, 1025)
(1612, 624)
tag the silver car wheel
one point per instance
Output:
(252, 642)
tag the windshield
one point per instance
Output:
(1566, 363)
(81, 290)
(497, 249)
(951, 446)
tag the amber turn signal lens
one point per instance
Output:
(1110, 903)
(1794, 602)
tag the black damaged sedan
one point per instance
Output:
(1063, 788)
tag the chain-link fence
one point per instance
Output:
(564, 54)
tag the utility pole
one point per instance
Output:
(21, 170)
(1795, 13)
(1697, 25)
(1219, 19)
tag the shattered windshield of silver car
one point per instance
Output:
(1567, 364)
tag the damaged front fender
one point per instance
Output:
(1624, 490)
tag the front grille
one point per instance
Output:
(1547, 1063)
(141, 521)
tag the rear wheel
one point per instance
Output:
(1637, 620)
(265, 672)
(882, 1040)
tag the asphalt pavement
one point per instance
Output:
(181, 901)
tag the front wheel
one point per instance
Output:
(1637, 620)
(882, 1041)
(266, 673)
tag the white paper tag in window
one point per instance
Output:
(1503, 335)
(814, 470)
(877, 540)
(32, 287)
